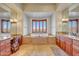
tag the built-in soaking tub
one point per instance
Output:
(39, 35)
(39, 38)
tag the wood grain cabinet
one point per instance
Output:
(57, 40)
(61, 41)
(8, 46)
(5, 47)
(76, 47)
(63, 46)
(15, 44)
(20, 39)
(69, 45)
(65, 43)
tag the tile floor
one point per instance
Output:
(39, 50)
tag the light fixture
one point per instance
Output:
(66, 19)
(13, 20)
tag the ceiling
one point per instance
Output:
(63, 6)
(39, 14)
(2, 10)
(22, 6)
(76, 9)
(73, 8)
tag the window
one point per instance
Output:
(39, 26)
(73, 26)
(5, 26)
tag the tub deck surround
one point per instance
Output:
(6, 44)
(39, 40)
(70, 44)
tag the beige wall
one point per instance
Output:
(59, 21)
(48, 23)
(59, 16)
(29, 28)
(17, 28)
(39, 7)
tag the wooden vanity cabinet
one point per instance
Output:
(20, 39)
(69, 45)
(10, 45)
(76, 47)
(65, 43)
(58, 40)
(5, 47)
(14, 44)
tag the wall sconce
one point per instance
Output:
(13, 20)
(65, 19)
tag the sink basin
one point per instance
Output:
(4, 38)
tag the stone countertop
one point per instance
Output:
(40, 36)
(5, 38)
(73, 37)
(70, 36)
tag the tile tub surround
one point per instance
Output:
(39, 40)
(70, 44)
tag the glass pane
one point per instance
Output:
(41, 26)
(45, 25)
(9, 26)
(37, 26)
(4, 26)
(70, 26)
(33, 25)
(74, 26)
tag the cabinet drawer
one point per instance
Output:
(69, 48)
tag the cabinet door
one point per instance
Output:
(57, 40)
(75, 51)
(8, 48)
(69, 47)
(2, 48)
(76, 47)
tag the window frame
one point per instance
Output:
(71, 20)
(39, 31)
(2, 29)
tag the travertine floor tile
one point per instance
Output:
(39, 50)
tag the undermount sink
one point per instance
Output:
(4, 37)
(74, 37)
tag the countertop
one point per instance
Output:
(5, 38)
(70, 36)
